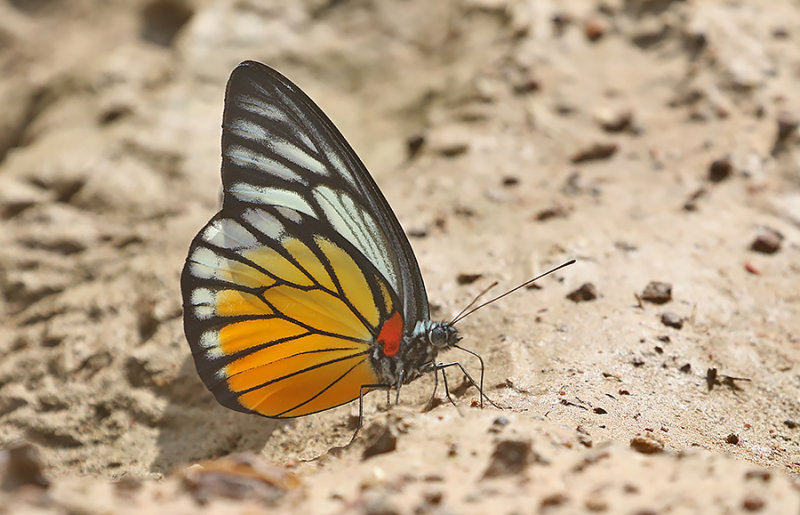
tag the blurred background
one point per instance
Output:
(654, 140)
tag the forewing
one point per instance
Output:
(280, 317)
(280, 149)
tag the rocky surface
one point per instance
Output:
(655, 141)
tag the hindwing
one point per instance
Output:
(281, 314)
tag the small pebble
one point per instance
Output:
(753, 503)
(509, 457)
(787, 125)
(791, 424)
(720, 170)
(586, 292)
(763, 475)
(596, 503)
(498, 424)
(767, 242)
(557, 211)
(23, 467)
(380, 440)
(560, 22)
(657, 292)
(595, 152)
(752, 269)
(594, 29)
(433, 498)
(467, 278)
(614, 121)
(670, 319)
(630, 488)
(691, 202)
(780, 33)
(584, 437)
(239, 476)
(732, 439)
(686, 368)
(647, 443)
(452, 450)
(414, 144)
(554, 500)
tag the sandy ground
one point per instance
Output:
(653, 140)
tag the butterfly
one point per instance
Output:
(302, 293)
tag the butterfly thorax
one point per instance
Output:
(417, 352)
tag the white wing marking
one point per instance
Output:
(259, 108)
(264, 222)
(271, 196)
(251, 159)
(356, 226)
(229, 234)
(290, 214)
(209, 339)
(297, 155)
(249, 129)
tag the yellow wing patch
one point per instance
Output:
(269, 259)
(306, 257)
(352, 280)
(204, 263)
(231, 303)
(317, 309)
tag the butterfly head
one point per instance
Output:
(442, 335)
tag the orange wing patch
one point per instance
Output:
(312, 390)
(274, 360)
(241, 336)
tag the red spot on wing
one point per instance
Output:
(391, 334)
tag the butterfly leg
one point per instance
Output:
(480, 388)
(364, 389)
(435, 386)
(442, 366)
(399, 384)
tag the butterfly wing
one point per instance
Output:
(288, 288)
(279, 148)
(280, 316)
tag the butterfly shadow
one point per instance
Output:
(194, 427)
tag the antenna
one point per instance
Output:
(478, 296)
(463, 315)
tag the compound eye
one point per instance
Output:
(437, 336)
